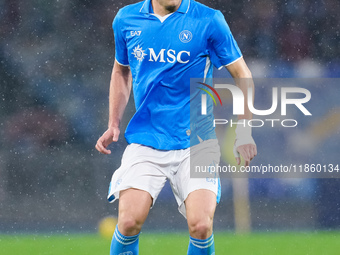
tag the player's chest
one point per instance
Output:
(170, 41)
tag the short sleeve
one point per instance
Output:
(222, 45)
(120, 42)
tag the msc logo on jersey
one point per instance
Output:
(163, 56)
(185, 36)
(171, 56)
(139, 54)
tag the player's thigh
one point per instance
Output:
(196, 192)
(134, 207)
(200, 206)
(200, 209)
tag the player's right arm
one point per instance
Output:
(120, 88)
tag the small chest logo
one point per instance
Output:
(139, 53)
(135, 33)
(185, 36)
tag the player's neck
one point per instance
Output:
(165, 7)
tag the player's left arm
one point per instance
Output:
(244, 142)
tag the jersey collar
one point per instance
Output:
(147, 7)
(185, 5)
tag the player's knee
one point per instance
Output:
(129, 226)
(201, 229)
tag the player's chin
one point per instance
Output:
(170, 8)
(172, 5)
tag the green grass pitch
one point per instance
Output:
(322, 243)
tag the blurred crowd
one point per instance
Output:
(286, 30)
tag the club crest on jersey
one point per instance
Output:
(139, 53)
(185, 36)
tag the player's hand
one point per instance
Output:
(110, 135)
(244, 143)
(247, 151)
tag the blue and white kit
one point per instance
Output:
(163, 54)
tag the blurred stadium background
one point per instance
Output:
(55, 64)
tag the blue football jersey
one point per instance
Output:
(163, 54)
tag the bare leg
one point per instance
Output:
(134, 207)
(200, 208)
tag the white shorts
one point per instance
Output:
(148, 169)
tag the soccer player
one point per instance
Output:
(160, 45)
